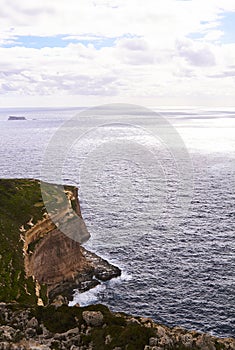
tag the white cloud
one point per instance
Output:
(196, 54)
(151, 54)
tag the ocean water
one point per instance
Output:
(171, 233)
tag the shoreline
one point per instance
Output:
(100, 270)
(56, 265)
(95, 327)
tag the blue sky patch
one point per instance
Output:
(228, 27)
(39, 42)
(196, 35)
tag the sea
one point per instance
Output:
(157, 195)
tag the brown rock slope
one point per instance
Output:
(58, 261)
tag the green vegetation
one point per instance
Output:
(219, 345)
(17, 207)
(63, 318)
(33, 244)
(20, 201)
(58, 320)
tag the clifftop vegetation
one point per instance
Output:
(20, 200)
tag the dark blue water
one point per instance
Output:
(178, 274)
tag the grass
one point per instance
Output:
(131, 336)
(20, 200)
(17, 199)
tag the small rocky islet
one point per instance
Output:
(15, 117)
(39, 269)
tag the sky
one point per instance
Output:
(90, 52)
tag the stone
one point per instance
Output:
(204, 342)
(59, 301)
(187, 340)
(7, 333)
(133, 320)
(14, 117)
(93, 318)
(165, 340)
(108, 339)
(161, 331)
(153, 341)
(30, 332)
(33, 323)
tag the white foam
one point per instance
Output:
(87, 298)
(125, 276)
(92, 296)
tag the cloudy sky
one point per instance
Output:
(88, 52)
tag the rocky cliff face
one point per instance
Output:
(50, 256)
(39, 264)
(46, 262)
(56, 258)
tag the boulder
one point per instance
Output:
(93, 318)
(33, 323)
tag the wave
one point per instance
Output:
(97, 294)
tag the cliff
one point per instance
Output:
(40, 267)
(37, 260)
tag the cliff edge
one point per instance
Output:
(40, 267)
(39, 262)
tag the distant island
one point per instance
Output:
(13, 117)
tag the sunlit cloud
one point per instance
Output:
(144, 52)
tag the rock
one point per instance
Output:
(88, 330)
(7, 333)
(4, 346)
(30, 332)
(33, 323)
(93, 318)
(166, 341)
(45, 333)
(70, 342)
(72, 332)
(204, 342)
(161, 331)
(11, 346)
(187, 340)
(103, 270)
(32, 345)
(133, 320)
(146, 321)
(108, 339)
(13, 117)
(59, 301)
(153, 341)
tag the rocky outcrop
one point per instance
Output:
(38, 261)
(92, 271)
(95, 327)
(13, 117)
(93, 318)
(59, 262)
